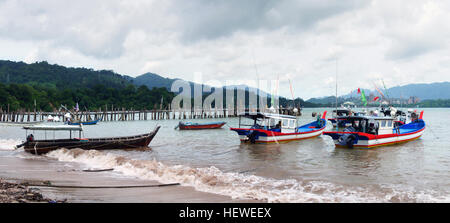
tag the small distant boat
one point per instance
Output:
(196, 126)
(268, 128)
(43, 146)
(369, 132)
(84, 123)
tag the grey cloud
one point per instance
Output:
(410, 50)
(90, 30)
(99, 28)
(94, 28)
(203, 19)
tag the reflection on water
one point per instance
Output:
(262, 152)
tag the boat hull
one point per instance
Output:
(264, 136)
(84, 123)
(368, 141)
(201, 126)
(39, 147)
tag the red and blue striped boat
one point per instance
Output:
(370, 132)
(198, 126)
(275, 128)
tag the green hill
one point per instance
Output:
(21, 85)
(152, 80)
(51, 85)
(59, 76)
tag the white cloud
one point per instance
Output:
(400, 42)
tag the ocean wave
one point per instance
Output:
(8, 144)
(241, 186)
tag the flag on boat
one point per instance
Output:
(363, 98)
(385, 89)
(376, 98)
(359, 91)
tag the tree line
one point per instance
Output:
(48, 98)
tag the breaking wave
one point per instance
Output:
(242, 186)
(8, 144)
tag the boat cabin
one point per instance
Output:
(349, 105)
(268, 121)
(53, 129)
(341, 112)
(372, 125)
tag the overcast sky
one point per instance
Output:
(400, 42)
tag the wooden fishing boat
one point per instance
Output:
(84, 123)
(269, 128)
(197, 126)
(369, 132)
(44, 146)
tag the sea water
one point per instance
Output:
(311, 170)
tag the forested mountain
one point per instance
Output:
(59, 76)
(22, 84)
(152, 80)
(46, 87)
(432, 91)
(23, 96)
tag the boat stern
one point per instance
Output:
(248, 135)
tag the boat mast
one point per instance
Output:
(293, 102)
(336, 94)
(257, 81)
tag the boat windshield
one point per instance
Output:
(341, 112)
(272, 122)
(371, 125)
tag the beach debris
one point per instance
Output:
(20, 193)
(98, 170)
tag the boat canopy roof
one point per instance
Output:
(370, 117)
(55, 127)
(261, 115)
(342, 110)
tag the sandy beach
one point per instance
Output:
(44, 171)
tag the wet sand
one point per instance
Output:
(37, 171)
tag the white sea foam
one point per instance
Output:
(8, 144)
(239, 186)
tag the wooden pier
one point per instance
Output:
(24, 116)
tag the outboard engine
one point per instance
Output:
(252, 135)
(348, 139)
(30, 138)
